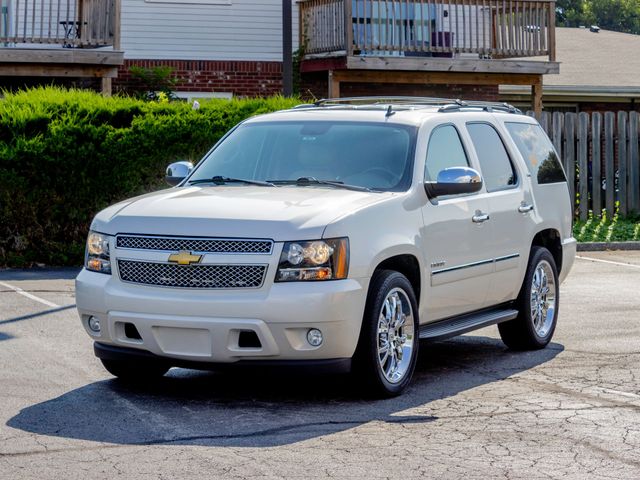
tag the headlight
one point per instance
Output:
(314, 260)
(97, 257)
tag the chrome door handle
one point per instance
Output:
(525, 207)
(480, 217)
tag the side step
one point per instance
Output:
(455, 326)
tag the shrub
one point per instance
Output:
(65, 155)
(608, 228)
(154, 81)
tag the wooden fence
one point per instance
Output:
(600, 154)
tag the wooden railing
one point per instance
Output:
(71, 23)
(489, 28)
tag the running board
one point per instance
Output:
(452, 327)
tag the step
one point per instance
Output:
(452, 327)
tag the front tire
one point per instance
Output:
(388, 346)
(537, 304)
(135, 371)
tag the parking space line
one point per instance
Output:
(29, 295)
(608, 261)
(37, 314)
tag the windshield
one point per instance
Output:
(369, 155)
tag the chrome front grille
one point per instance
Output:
(192, 276)
(201, 245)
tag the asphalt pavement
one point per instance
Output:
(475, 410)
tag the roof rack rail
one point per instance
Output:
(445, 104)
(418, 101)
(485, 106)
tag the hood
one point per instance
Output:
(281, 213)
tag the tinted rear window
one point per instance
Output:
(497, 171)
(538, 152)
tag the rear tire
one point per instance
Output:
(134, 370)
(537, 304)
(388, 345)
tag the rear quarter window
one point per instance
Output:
(537, 151)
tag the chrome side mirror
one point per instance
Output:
(454, 181)
(178, 171)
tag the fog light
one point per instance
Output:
(314, 337)
(94, 324)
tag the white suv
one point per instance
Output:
(335, 235)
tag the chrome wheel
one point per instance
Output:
(395, 335)
(543, 298)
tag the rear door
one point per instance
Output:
(511, 206)
(456, 235)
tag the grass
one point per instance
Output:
(608, 229)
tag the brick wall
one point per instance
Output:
(247, 78)
(242, 78)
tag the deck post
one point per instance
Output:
(116, 24)
(536, 97)
(334, 85)
(106, 86)
(348, 28)
(552, 32)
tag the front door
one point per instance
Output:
(456, 236)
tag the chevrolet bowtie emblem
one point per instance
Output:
(184, 258)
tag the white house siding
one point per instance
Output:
(248, 30)
(470, 24)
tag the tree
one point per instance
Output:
(617, 15)
(570, 13)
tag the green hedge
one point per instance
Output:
(65, 155)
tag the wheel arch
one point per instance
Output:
(407, 264)
(550, 239)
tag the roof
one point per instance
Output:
(606, 61)
(398, 110)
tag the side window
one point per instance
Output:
(445, 150)
(497, 170)
(537, 150)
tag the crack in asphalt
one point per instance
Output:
(555, 388)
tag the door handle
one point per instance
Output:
(525, 207)
(480, 217)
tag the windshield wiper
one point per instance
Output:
(220, 180)
(306, 181)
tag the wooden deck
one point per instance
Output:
(429, 41)
(490, 29)
(61, 38)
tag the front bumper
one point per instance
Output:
(333, 365)
(205, 325)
